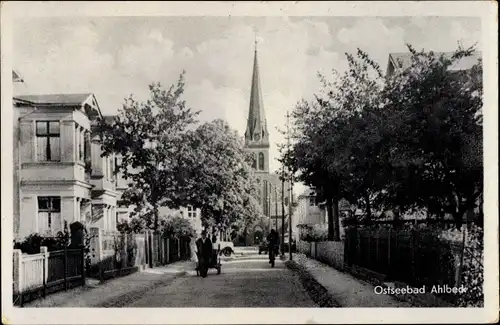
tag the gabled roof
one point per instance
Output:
(86, 101)
(56, 99)
(403, 61)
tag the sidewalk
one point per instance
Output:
(345, 289)
(115, 292)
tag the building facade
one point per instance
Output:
(59, 175)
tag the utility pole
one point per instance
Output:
(265, 208)
(283, 215)
(269, 191)
(291, 189)
(276, 206)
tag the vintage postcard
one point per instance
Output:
(249, 162)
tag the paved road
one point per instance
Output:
(244, 282)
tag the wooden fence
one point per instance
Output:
(116, 254)
(413, 257)
(165, 250)
(46, 272)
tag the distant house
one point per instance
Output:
(401, 61)
(59, 174)
(310, 212)
(189, 213)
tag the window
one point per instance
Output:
(254, 161)
(105, 166)
(191, 212)
(82, 143)
(261, 161)
(110, 167)
(312, 201)
(49, 212)
(48, 141)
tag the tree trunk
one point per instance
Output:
(368, 207)
(155, 213)
(329, 209)
(336, 219)
(397, 217)
(332, 206)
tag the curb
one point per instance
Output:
(318, 293)
(128, 298)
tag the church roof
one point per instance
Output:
(256, 123)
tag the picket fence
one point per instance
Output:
(40, 274)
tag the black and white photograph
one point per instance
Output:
(178, 159)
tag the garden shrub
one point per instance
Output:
(32, 243)
(472, 276)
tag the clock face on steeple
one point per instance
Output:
(257, 137)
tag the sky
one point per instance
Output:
(114, 57)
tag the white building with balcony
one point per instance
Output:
(59, 174)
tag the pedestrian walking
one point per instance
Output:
(204, 249)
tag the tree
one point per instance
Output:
(221, 182)
(437, 116)
(412, 140)
(150, 138)
(177, 227)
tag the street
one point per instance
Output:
(244, 282)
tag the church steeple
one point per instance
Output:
(256, 132)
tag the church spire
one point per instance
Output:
(256, 131)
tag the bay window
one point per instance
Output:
(48, 145)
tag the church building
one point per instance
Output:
(257, 143)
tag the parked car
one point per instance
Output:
(226, 248)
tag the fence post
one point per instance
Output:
(44, 251)
(124, 261)
(162, 250)
(146, 249)
(150, 249)
(178, 249)
(65, 268)
(83, 265)
(358, 247)
(389, 239)
(168, 250)
(377, 246)
(412, 250)
(18, 275)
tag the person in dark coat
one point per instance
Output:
(204, 247)
(273, 240)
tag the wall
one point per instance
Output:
(328, 252)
